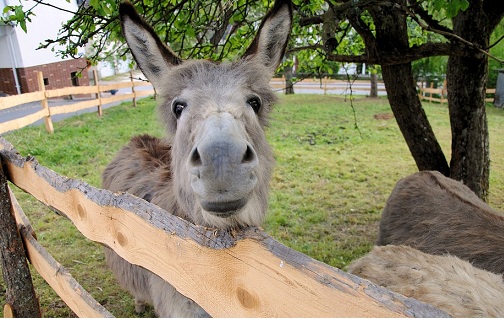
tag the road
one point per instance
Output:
(314, 87)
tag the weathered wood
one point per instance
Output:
(247, 274)
(70, 291)
(20, 294)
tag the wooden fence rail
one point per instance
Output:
(439, 95)
(46, 112)
(243, 274)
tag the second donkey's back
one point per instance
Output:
(438, 215)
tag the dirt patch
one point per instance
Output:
(383, 116)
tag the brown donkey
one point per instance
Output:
(214, 166)
(438, 215)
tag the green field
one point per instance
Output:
(336, 165)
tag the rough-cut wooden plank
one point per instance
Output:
(247, 274)
(69, 108)
(19, 292)
(10, 101)
(71, 91)
(23, 121)
(70, 291)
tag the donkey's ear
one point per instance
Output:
(268, 47)
(152, 56)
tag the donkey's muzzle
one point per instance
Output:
(222, 166)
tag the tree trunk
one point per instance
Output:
(466, 82)
(391, 32)
(20, 294)
(374, 85)
(289, 86)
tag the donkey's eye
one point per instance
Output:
(177, 108)
(255, 103)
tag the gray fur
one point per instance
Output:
(439, 215)
(447, 282)
(213, 167)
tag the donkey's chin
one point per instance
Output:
(223, 209)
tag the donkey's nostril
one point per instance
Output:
(195, 158)
(249, 155)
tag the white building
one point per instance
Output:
(20, 59)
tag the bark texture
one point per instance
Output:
(20, 294)
(391, 33)
(466, 79)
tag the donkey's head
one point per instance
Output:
(215, 115)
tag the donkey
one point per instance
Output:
(438, 215)
(214, 166)
(447, 282)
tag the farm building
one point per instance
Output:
(20, 59)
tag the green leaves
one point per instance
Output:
(223, 29)
(16, 15)
(450, 7)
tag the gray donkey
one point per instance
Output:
(214, 166)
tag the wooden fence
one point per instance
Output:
(318, 86)
(439, 95)
(44, 95)
(244, 274)
(325, 86)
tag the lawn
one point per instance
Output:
(336, 164)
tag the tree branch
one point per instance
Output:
(306, 21)
(400, 57)
(447, 33)
(306, 47)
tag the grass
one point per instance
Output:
(330, 184)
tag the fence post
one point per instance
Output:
(444, 92)
(133, 89)
(20, 297)
(422, 90)
(45, 105)
(98, 95)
